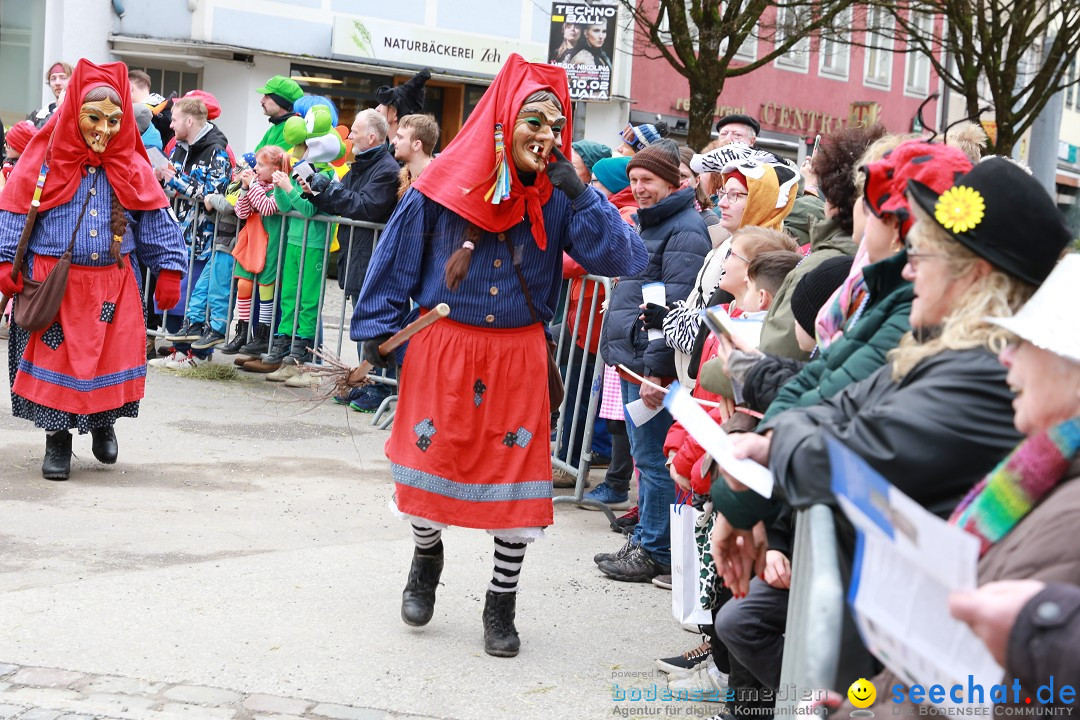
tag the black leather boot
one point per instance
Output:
(240, 339)
(104, 445)
(57, 464)
(418, 598)
(500, 635)
(260, 343)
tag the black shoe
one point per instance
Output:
(638, 566)
(279, 350)
(300, 351)
(239, 339)
(210, 338)
(500, 635)
(57, 464)
(617, 555)
(418, 598)
(188, 332)
(689, 661)
(260, 343)
(104, 446)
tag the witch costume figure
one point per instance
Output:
(86, 177)
(483, 230)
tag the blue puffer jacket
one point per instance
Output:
(677, 240)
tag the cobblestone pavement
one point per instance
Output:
(34, 693)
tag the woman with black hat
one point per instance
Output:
(939, 415)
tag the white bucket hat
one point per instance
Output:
(1050, 320)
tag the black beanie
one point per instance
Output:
(815, 289)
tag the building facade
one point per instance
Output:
(344, 49)
(817, 88)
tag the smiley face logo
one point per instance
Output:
(862, 693)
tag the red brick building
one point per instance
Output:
(819, 88)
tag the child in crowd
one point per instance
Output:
(763, 278)
(258, 251)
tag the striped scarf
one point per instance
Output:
(993, 507)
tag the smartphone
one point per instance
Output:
(718, 321)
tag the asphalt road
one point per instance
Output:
(243, 542)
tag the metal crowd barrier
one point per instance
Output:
(581, 387)
(584, 387)
(815, 605)
(383, 415)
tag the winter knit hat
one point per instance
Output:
(143, 116)
(407, 98)
(19, 134)
(772, 185)
(611, 172)
(934, 165)
(661, 159)
(590, 152)
(815, 288)
(642, 136)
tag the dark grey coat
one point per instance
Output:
(677, 240)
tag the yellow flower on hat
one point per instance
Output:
(960, 209)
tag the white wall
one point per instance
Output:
(76, 29)
(235, 84)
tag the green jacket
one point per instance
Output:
(318, 232)
(827, 240)
(866, 341)
(274, 135)
(806, 211)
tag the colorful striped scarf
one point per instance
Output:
(993, 507)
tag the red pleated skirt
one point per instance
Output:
(92, 358)
(471, 443)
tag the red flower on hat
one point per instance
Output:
(960, 209)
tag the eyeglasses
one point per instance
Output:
(915, 257)
(728, 255)
(731, 195)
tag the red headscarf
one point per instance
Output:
(124, 159)
(463, 172)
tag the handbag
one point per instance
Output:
(39, 301)
(556, 389)
(686, 568)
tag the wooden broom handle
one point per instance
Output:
(356, 375)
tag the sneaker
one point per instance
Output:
(617, 555)
(371, 398)
(188, 332)
(289, 368)
(689, 661)
(609, 496)
(209, 339)
(352, 396)
(303, 380)
(707, 684)
(163, 361)
(662, 581)
(184, 362)
(638, 566)
(625, 524)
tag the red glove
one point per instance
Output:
(167, 293)
(9, 288)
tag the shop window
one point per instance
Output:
(168, 82)
(22, 29)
